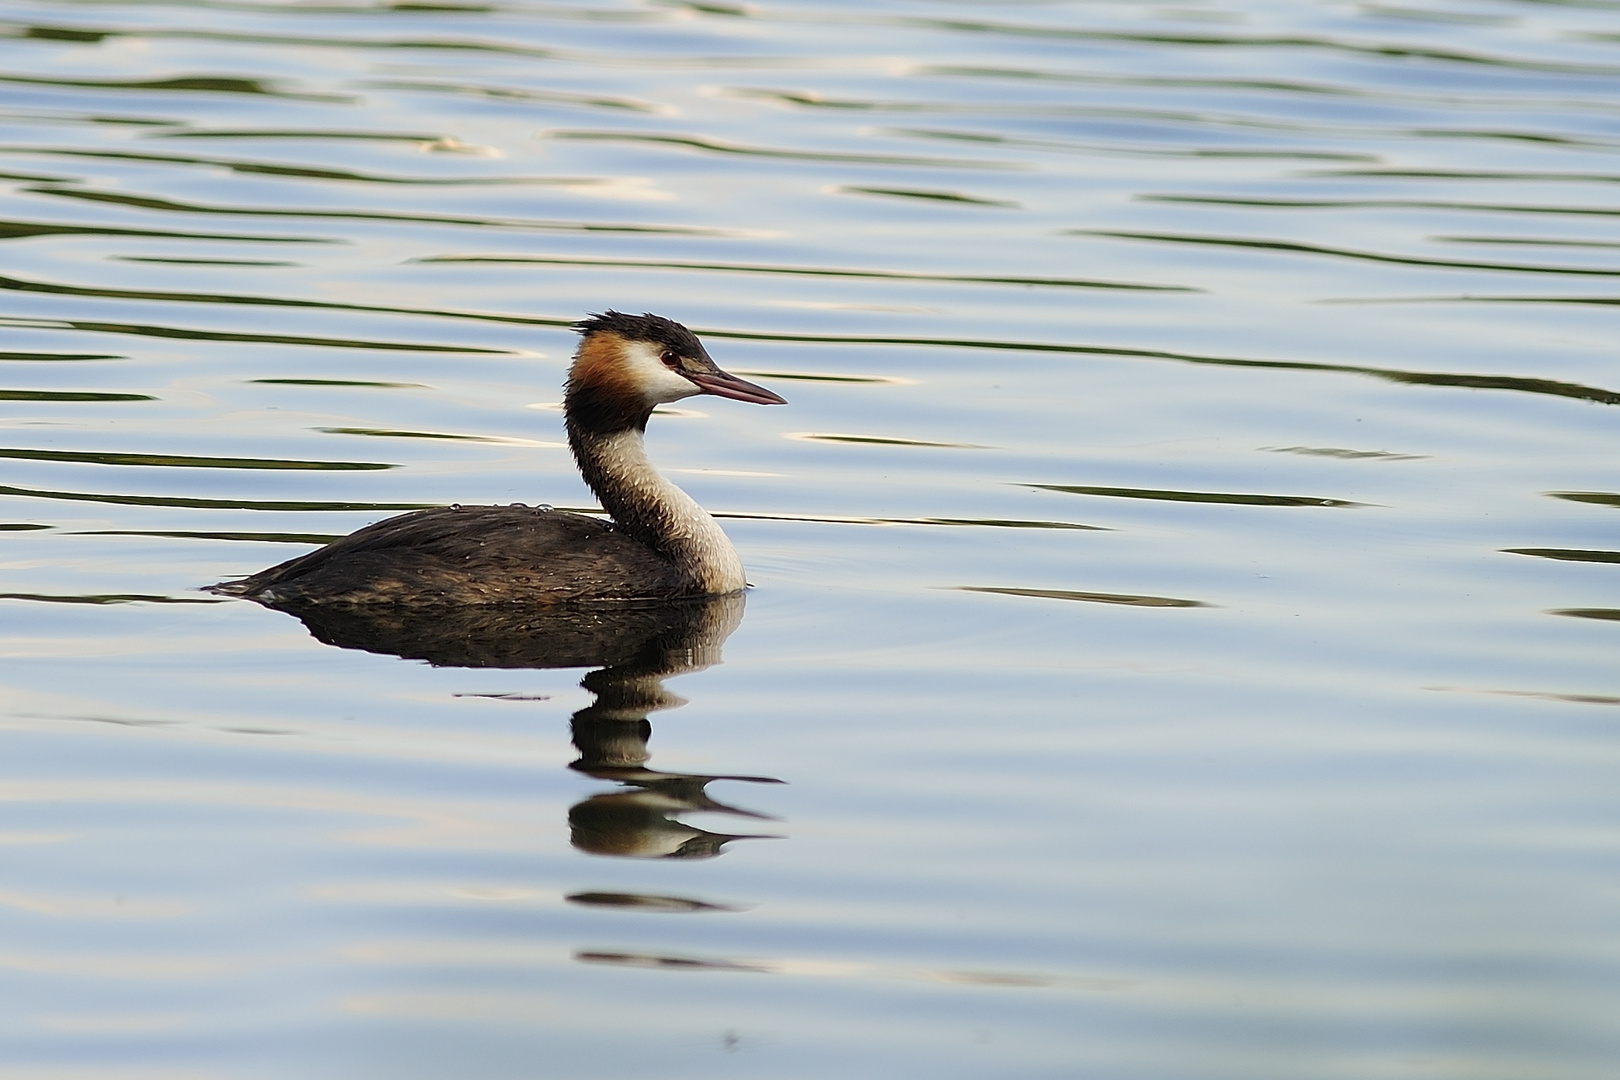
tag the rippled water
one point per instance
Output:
(1185, 613)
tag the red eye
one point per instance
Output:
(671, 360)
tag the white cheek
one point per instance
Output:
(656, 382)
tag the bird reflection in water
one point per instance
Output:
(634, 648)
(640, 820)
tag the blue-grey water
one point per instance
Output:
(1186, 604)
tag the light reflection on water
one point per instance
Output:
(1182, 642)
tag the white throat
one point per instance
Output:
(642, 501)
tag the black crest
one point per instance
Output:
(665, 333)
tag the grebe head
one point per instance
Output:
(628, 364)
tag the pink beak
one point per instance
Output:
(722, 384)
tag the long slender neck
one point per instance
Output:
(654, 511)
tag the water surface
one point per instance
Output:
(1184, 614)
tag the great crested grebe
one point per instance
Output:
(660, 545)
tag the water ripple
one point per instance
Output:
(880, 440)
(201, 534)
(1378, 50)
(621, 901)
(397, 433)
(1567, 554)
(206, 504)
(103, 599)
(22, 230)
(1470, 174)
(421, 141)
(926, 195)
(23, 285)
(805, 271)
(305, 172)
(1344, 253)
(225, 84)
(993, 523)
(512, 93)
(717, 146)
(1194, 496)
(1601, 614)
(210, 84)
(1343, 454)
(147, 202)
(1517, 383)
(70, 395)
(1146, 150)
(186, 334)
(1382, 204)
(1124, 599)
(189, 462)
(367, 383)
(1596, 498)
